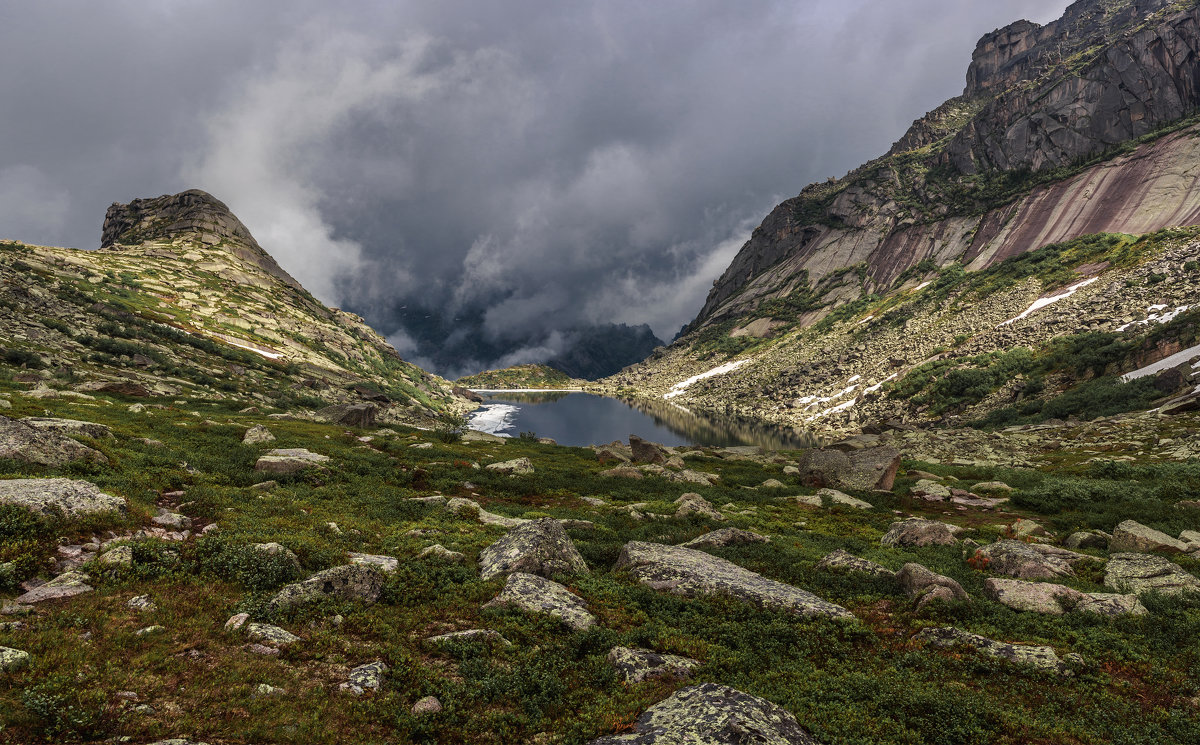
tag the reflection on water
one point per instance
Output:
(581, 419)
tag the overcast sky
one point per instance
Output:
(528, 166)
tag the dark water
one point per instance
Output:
(581, 419)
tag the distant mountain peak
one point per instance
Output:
(193, 214)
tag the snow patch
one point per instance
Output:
(923, 285)
(494, 419)
(680, 387)
(1045, 301)
(1156, 315)
(256, 350)
(1164, 364)
(877, 386)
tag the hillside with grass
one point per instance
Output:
(521, 376)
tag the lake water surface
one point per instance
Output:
(581, 419)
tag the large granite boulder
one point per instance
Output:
(1030, 560)
(288, 460)
(51, 496)
(643, 451)
(73, 427)
(514, 467)
(44, 447)
(360, 415)
(917, 531)
(347, 582)
(1141, 573)
(536, 594)
(691, 573)
(860, 470)
(1133, 537)
(1024, 654)
(1054, 600)
(639, 665)
(711, 714)
(537, 547)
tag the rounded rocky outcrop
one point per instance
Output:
(52, 496)
(361, 582)
(1141, 573)
(1133, 537)
(1030, 560)
(917, 531)
(639, 665)
(514, 467)
(711, 714)
(691, 573)
(257, 435)
(539, 547)
(536, 594)
(926, 586)
(288, 460)
(858, 470)
(1025, 654)
(45, 447)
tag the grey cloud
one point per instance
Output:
(527, 167)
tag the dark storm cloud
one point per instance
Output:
(526, 166)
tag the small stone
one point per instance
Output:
(264, 690)
(427, 705)
(515, 467)
(142, 603)
(639, 665)
(694, 504)
(365, 677)
(917, 531)
(438, 551)
(843, 499)
(12, 660)
(486, 635)
(257, 435)
(118, 556)
(147, 631)
(236, 622)
(271, 634)
(388, 564)
(843, 560)
(174, 520)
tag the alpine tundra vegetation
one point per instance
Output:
(230, 514)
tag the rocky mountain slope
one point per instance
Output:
(182, 301)
(1052, 200)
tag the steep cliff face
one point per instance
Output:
(1043, 145)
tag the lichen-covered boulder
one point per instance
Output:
(288, 460)
(1024, 654)
(66, 585)
(45, 447)
(484, 635)
(726, 537)
(694, 504)
(711, 714)
(1030, 560)
(1133, 537)
(12, 660)
(50, 496)
(638, 665)
(265, 632)
(368, 677)
(843, 560)
(931, 490)
(387, 563)
(917, 531)
(536, 594)
(926, 586)
(858, 470)
(538, 547)
(257, 435)
(1111, 604)
(274, 549)
(68, 426)
(1140, 573)
(347, 582)
(1035, 597)
(843, 499)
(691, 573)
(514, 467)
(1087, 539)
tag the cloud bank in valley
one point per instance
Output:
(480, 180)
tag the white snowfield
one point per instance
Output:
(1164, 364)
(680, 387)
(1045, 301)
(256, 350)
(1158, 314)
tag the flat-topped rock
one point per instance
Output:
(514, 467)
(537, 547)
(843, 560)
(485, 635)
(45, 447)
(694, 504)
(726, 537)
(1025, 654)
(66, 585)
(691, 573)
(1141, 573)
(361, 582)
(68, 426)
(361, 415)
(536, 594)
(711, 714)
(1133, 537)
(638, 665)
(50, 496)
(917, 531)
(836, 497)
(288, 460)
(386, 563)
(265, 632)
